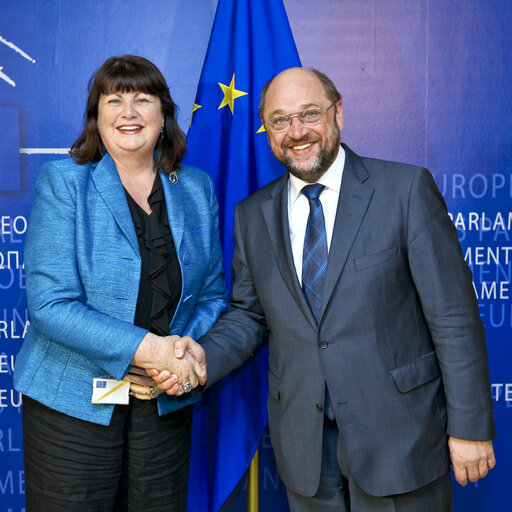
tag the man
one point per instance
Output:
(361, 286)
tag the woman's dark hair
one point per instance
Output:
(130, 74)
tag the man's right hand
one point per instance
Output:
(184, 348)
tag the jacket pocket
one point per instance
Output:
(273, 386)
(417, 372)
(377, 258)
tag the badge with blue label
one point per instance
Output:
(110, 391)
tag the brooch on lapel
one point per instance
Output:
(173, 177)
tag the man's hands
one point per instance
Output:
(471, 459)
(185, 349)
(176, 370)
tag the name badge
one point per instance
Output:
(110, 391)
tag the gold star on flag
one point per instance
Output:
(195, 106)
(230, 94)
(262, 129)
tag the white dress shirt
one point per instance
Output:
(298, 207)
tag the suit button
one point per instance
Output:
(323, 344)
(319, 407)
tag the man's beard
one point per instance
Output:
(323, 160)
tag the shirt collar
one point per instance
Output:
(331, 178)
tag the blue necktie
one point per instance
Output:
(314, 257)
(314, 261)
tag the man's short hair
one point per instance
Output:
(330, 90)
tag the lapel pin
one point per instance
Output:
(173, 177)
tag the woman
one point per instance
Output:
(122, 253)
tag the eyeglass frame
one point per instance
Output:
(323, 111)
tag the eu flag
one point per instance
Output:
(250, 43)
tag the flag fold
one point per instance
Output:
(251, 41)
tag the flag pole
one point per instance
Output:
(252, 493)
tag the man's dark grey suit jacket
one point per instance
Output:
(400, 342)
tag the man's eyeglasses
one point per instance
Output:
(310, 116)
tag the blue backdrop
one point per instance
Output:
(423, 81)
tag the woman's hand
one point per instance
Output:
(142, 386)
(184, 348)
(185, 376)
(158, 353)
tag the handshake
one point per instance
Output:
(167, 364)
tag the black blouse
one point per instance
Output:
(160, 279)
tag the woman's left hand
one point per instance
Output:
(142, 386)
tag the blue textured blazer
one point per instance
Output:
(82, 276)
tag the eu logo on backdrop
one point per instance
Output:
(9, 149)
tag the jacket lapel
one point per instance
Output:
(174, 201)
(275, 212)
(353, 202)
(108, 184)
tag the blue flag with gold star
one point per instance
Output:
(250, 43)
